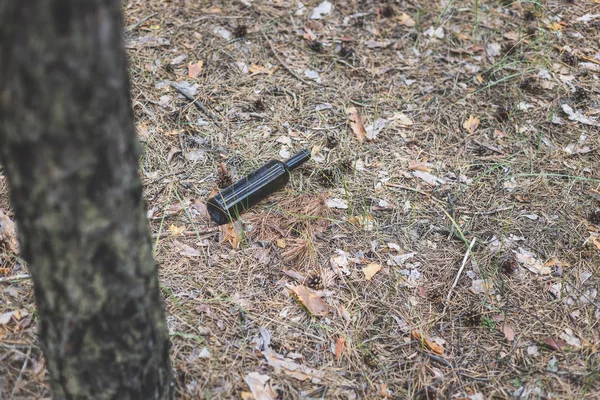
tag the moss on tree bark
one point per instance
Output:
(69, 149)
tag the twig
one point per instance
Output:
(212, 229)
(288, 69)
(196, 103)
(10, 279)
(460, 270)
(133, 27)
(490, 212)
(18, 381)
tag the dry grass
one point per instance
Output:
(510, 177)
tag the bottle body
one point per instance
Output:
(231, 202)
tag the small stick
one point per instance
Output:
(10, 279)
(460, 270)
(288, 69)
(195, 102)
(212, 229)
(140, 22)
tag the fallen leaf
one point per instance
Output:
(419, 166)
(555, 262)
(321, 10)
(406, 20)
(471, 124)
(292, 368)
(344, 313)
(509, 333)
(258, 384)
(402, 119)
(429, 178)
(259, 69)
(175, 230)
(370, 270)
(479, 286)
(374, 129)
(435, 32)
(529, 261)
(595, 242)
(356, 124)
(187, 251)
(339, 346)
(232, 233)
(364, 221)
(142, 131)
(571, 340)
(6, 317)
(280, 243)
(555, 344)
(430, 344)
(178, 60)
(8, 233)
(194, 69)
(309, 299)
(339, 263)
(554, 26)
(337, 203)
(224, 33)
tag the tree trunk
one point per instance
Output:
(69, 149)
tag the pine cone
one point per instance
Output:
(314, 281)
(223, 177)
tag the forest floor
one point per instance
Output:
(444, 240)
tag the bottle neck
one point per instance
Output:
(297, 160)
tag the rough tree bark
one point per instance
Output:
(68, 146)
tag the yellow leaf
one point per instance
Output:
(280, 243)
(194, 69)
(175, 230)
(370, 270)
(471, 124)
(554, 26)
(356, 124)
(311, 300)
(406, 20)
(339, 346)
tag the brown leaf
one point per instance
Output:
(309, 298)
(595, 241)
(339, 346)
(370, 270)
(430, 344)
(232, 233)
(194, 69)
(509, 333)
(187, 251)
(8, 233)
(471, 124)
(280, 243)
(555, 344)
(259, 69)
(356, 124)
(258, 384)
(292, 368)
